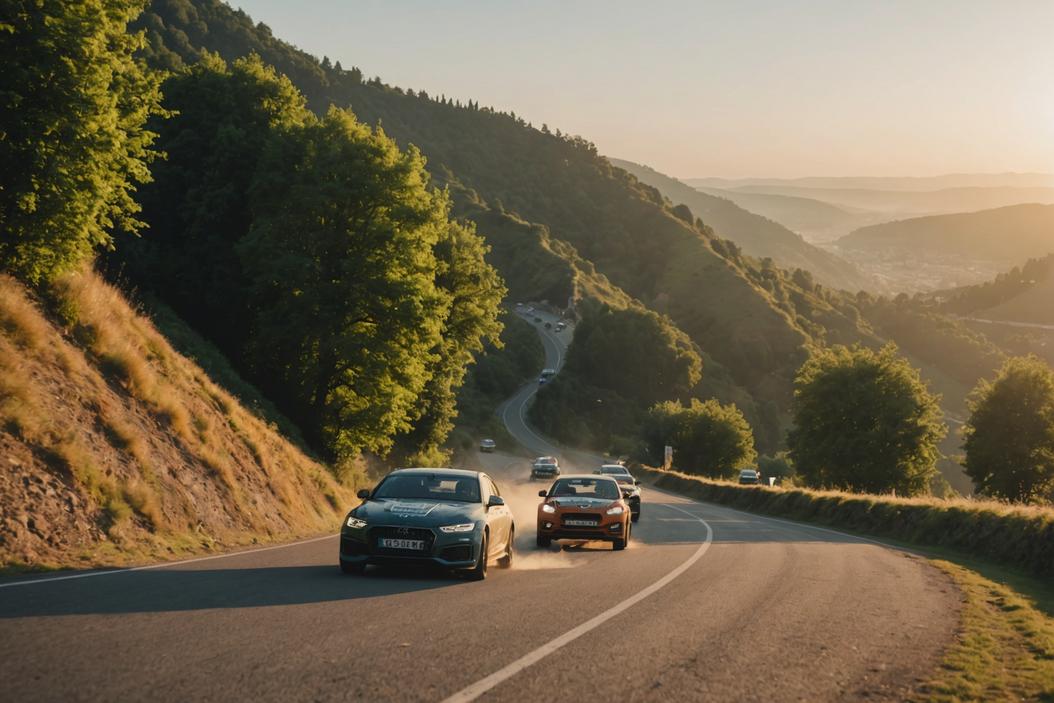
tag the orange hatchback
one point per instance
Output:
(584, 507)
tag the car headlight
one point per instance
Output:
(546, 508)
(355, 523)
(464, 527)
(617, 510)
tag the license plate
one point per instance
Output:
(581, 523)
(393, 543)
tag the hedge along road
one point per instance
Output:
(706, 603)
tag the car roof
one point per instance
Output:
(621, 467)
(450, 472)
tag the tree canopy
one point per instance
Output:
(708, 438)
(318, 255)
(73, 104)
(864, 421)
(1009, 438)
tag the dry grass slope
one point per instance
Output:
(117, 449)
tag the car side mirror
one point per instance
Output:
(363, 493)
(495, 500)
(543, 494)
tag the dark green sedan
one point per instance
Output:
(449, 518)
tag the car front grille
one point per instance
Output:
(581, 516)
(376, 533)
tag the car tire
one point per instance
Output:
(620, 544)
(479, 571)
(543, 542)
(636, 516)
(506, 561)
(352, 568)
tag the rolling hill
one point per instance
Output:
(915, 183)
(815, 220)
(1024, 295)
(901, 203)
(759, 236)
(1002, 235)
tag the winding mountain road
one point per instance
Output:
(707, 603)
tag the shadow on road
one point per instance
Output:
(173, 590)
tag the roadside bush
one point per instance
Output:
(1018, 536)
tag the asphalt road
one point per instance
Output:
(707, 603)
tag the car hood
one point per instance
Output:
(576, 502)
(417, 513)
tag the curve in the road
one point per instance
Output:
(776, 611)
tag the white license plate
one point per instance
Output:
(581, 523)
(393, 543)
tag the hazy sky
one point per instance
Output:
(732, 88)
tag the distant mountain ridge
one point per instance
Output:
(909, 183)
(1008, 234)
(815, 220)
(759, 236)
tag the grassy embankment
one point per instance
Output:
(1000, 556)
(119, 449)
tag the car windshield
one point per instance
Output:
(614, 470)
(464, 489)
(586, 488)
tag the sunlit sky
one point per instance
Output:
(734, 88)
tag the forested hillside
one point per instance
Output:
(555, 192)
(758, 236)
(563, 223)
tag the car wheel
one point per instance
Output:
(543, 542)
(506, 561)
(620, 544)
(636, 516)
(479, 571)
(352, 568)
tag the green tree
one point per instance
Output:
(198, 206)
(636, 353)
(73, 105)
(341, 259)
(864, 421)
(475, 291)
(708, 438)
(1009, 438)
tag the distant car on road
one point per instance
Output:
(545, 376)
(487, 445)
(749, 477)
(629, 485)
(561, 326)
(586, 507)
(545, 467)
(442, 517)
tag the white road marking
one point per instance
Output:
(791, 523)
(162, 565)
(471, 693)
